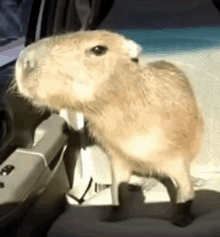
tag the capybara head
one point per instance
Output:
(73, 69)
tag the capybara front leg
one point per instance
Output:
(121, 173)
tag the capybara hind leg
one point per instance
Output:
(179, 173)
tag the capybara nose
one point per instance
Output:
(30, 57)
(27, 60)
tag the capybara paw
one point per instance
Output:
(182, 220)
(116, 217)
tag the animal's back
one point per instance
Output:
(183, 117)
(156, 119)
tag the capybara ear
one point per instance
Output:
(134, 49)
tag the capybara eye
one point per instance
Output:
(99, 50)
(135, 60)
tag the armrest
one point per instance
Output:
(27, 171)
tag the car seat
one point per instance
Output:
(36, 203)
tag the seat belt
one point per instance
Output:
(84, 15)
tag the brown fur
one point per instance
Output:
(144, 115)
